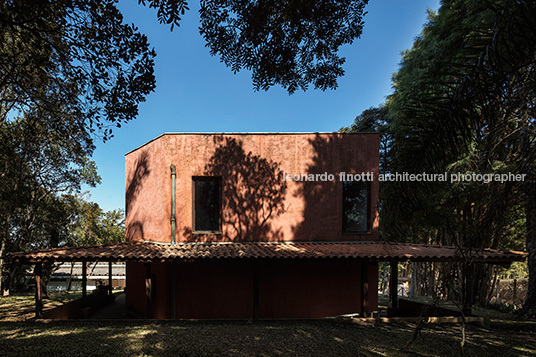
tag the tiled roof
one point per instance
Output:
(158, 252)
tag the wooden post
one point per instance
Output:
(110, 278)
(413, 280)
(84, 280)
(148, 290)
(515, 293)
(38, 272)
(468, 298)
(364, 290)
(497, 290)
(393, 285)
(255, 291)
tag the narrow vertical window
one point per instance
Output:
(207, 204)
(356, 206)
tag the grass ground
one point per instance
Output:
(22, 306)
(264, 338)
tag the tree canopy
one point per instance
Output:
(82, 52)
(73, 60)
(69, 72)
(292, 43)
(464, 102)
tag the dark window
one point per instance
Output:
(207, 207)
(355, 206)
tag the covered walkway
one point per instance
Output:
(363, 252)
(113, 311)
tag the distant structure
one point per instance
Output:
(97, 274)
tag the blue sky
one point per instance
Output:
(196, 93)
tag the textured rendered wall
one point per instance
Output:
(249, 164)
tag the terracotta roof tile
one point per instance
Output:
(372, 251)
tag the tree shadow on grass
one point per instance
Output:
(323, 338)
(307, 338)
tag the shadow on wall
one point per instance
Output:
(134, 229)
(253, 192)
(321, 213)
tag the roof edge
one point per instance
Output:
(150, 251)
(252, 133)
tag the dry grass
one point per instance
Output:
(295, 338)
(237, 338)
(22, 307)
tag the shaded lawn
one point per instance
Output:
(22, 306)
(265, 338)
(236, 338)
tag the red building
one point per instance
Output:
(225, 189)
(254, 226)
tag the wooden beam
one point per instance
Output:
(393, 285)
(515, 293)
(255, 291)
(110, 278)
(38, 272)
(84, 280)
(148, 290)
(364, 290)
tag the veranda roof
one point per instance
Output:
(369, 251)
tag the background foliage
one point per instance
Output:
(463, 102)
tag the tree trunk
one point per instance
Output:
(413, 280)
(494, 286)
(70, 281)
(2, 249)
(529, 306)
(47, 270)
(3, 240)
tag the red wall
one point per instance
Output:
(135, 289)
(225, 289)
(249, 164)
(311, 289)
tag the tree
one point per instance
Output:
(464, 102)
(79, 51)
(503, 80)
(68, 69)
(90, 225)
(375, 119)
(39, 163)
(293, 43)
(61, 220)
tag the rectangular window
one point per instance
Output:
(207, 204)
(356, 206)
